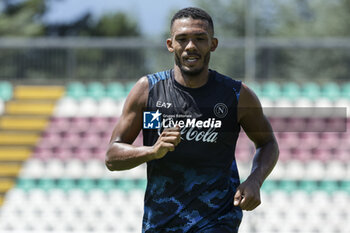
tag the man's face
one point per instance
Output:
(191, 41)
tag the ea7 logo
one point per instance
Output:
(161, 104)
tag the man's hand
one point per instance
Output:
(167, 141)
(247, 195)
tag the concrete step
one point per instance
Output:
(6, 184)
(29, 107)
(14, 154)
(23, 123)
(38, 92)
(18, 138)
(9, 170)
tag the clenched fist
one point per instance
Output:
(167, 141)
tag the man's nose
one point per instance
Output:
(191, 45)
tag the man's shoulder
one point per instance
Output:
(158, 76)
(227, 81)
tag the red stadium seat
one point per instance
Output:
(59, 124)
(80, 124)
(329, 140)
(308, 140)
(301, 154)
(322, 154)
(315, 124)
(63, 154)
(82, 154)
(50, 140)
(288, 139)
(100, 124)
(71, 139)
(90, 140)
(43, 154)
(285, 154)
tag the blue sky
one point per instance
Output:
(152, 15)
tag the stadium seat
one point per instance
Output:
(88, 107)
(295, 170)
(330, 90)
(323, 154)
(271, 90)
(96, 90)
(58, 125)
(311, 91)
(301, 154)
(99, 124)
(33, 168)
(308, 186)
(345, 186)
(328, 186)
(310, 139)
(115, 90)
(303, 103)
(336, 170)
(54, 169)
(108, 107)
(255, 87)
(129, 86)
(283, 108)
(6, 90)
(76, 90)
(66, 107)
(290, 90)
(315, 170)
(345, 90)
(64, 184)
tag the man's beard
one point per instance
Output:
(193, 72)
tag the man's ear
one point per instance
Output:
(214, 44)
(169, 45)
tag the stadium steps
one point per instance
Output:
(26, 116)
(18, 138)
(5, 185)
(14, 153)
(29, 107)
(32, 123)
(38, 92)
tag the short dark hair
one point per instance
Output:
(194, 13)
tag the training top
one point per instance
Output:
(192, 188)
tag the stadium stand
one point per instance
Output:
(64, 185)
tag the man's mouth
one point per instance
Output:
(191, 58)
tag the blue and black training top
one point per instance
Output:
(192, 188)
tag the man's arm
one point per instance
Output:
(121, 155)
(258, 129)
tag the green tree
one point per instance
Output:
(288, 19)
(22, 18)
(117, 24)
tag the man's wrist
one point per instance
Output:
(256, 178)
(150, 153)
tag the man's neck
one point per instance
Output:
(190, 81)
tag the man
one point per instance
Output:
(191, 118)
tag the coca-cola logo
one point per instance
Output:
(192, 134)
(194, 130)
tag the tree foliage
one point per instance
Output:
(25, 18)
(289, 19)
(22, 18)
